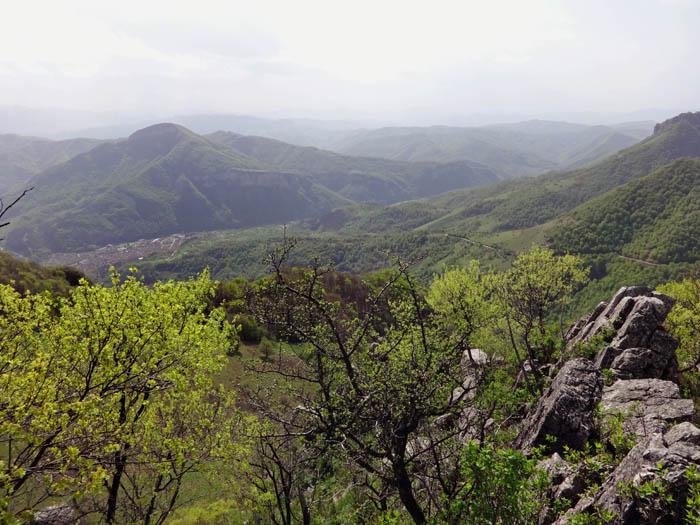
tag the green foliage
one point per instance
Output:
(597, 517)
(500, 486)
(684, 322)
(109, 396)
(692, 502)
(594, 345)
(652, 495)
(652, 218)
(266, 348)
(26, 276)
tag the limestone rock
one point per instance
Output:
(565, 411)
(55, 515)
(649, 405)
(674, 452)
(636, 312)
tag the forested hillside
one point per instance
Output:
(359, 178)
(656, 218)
(513, 150)
(163, 179)
(23, 157)
(166, 179)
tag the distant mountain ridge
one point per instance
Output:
(160, 180)
(513, 150)
(361, 178)
(21, 157)
(166, 179)
(526, 202)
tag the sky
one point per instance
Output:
(380, 59)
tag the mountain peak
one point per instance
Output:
(691, 118)
(159, 138)
(162, 130)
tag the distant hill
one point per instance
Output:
(655, 218)
(527, 202)
(361, 178)
(512, 150)
(161, 180)
(165, 179)
(22, 157)
(25, 276)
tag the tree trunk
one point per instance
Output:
(403, 483)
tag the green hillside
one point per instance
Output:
(493, 222)
(512, 150)
(22, 157)
(161, 180)
(25, 276)
(362, 178)
(656, 218)
(527, 202)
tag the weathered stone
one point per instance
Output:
(649, 405)
(635, 311)
(565, 411)
(473, 358)
(604, 358)
(55, 515)
(674, 452)
(657, 361)
(646, 316)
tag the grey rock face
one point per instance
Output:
(55, 515)
(639, 346)
(674, 451)
(636, 312)
(565, 411)
(649, 405)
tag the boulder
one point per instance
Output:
(649, 405)
(662, 459)
(55, 515)
(565, 411)
(636, 312)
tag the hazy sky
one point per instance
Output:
(367, 59)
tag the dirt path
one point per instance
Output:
(641, 261)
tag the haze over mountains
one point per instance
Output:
(462, 224)
(166, 179)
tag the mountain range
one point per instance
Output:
(634, 216)
(166, 179)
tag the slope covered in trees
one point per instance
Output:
(163, 179)
(360, 178)
(656, 218)
(166, 179)
(22, 157)
(524, 203)
(513, 150)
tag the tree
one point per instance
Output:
(108, 397)
(378, 397)
(5, 208)
(684, 322)
(536, 284)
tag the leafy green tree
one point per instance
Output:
(380, 400)
(501, 486)
(684, 322)
(537, 283)
(108, 397)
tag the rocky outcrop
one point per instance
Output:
(565, 411)
(56, 515)
(632, 326)
(660, 461)
(647, 405)
(637, 358)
